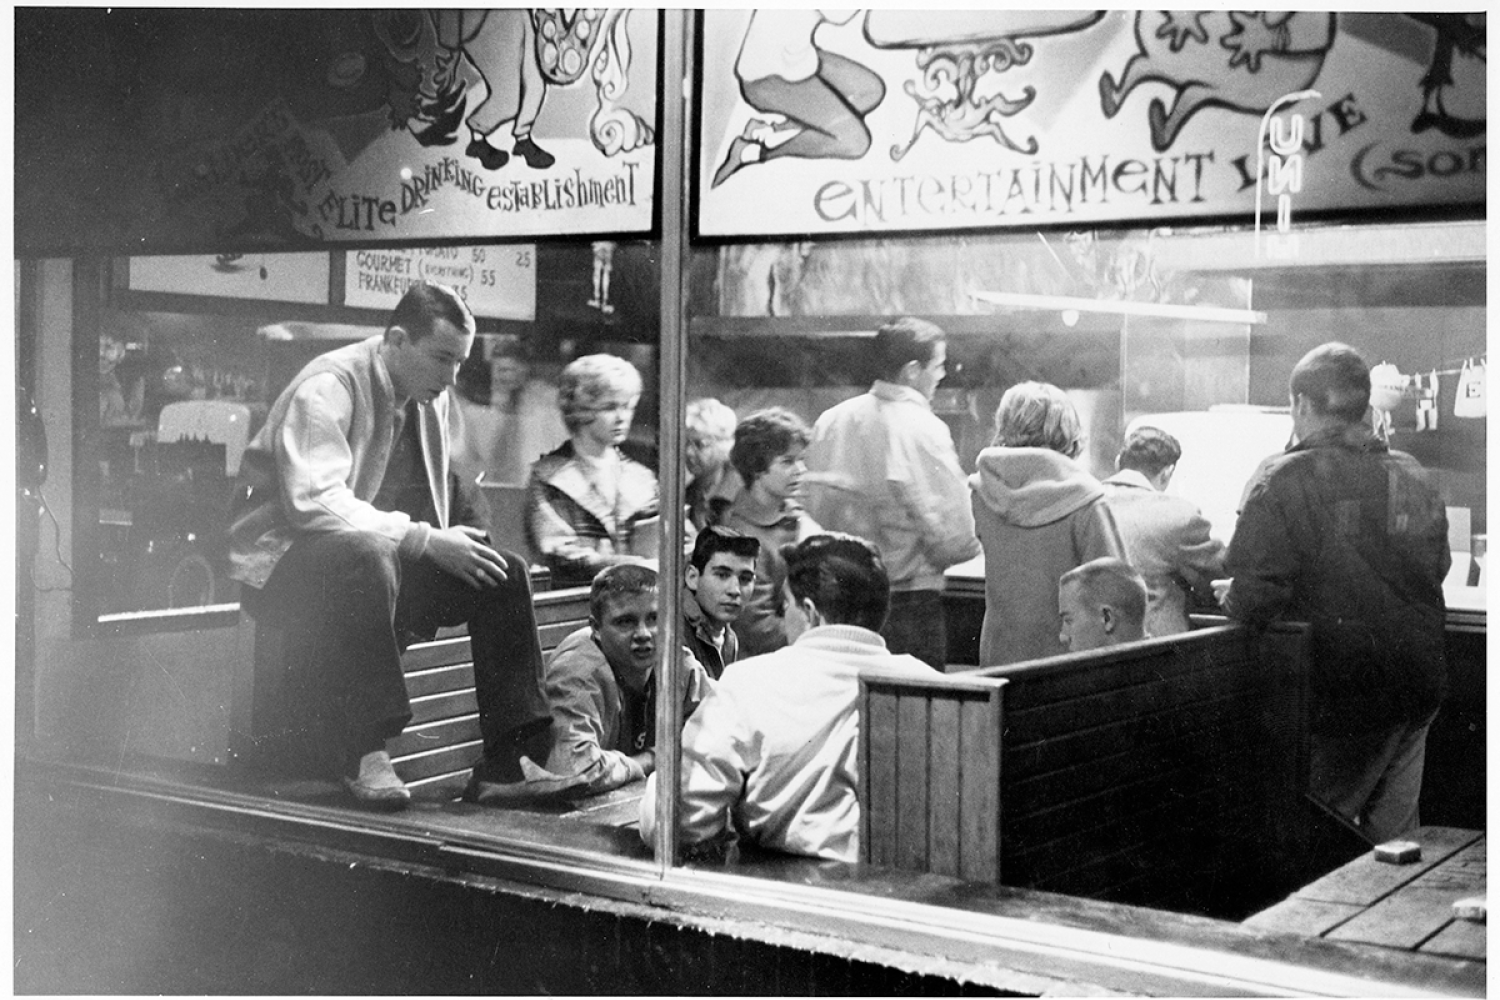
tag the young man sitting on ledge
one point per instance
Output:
(353, 534)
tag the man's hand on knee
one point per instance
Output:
(466, 553)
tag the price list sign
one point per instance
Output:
(498, 282)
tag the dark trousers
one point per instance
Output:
(349, 605)
(916, 625)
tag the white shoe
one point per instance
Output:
(377, 783)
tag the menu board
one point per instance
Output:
(498, 282)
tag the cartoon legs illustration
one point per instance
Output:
(1240, 60)
(501, 45)
(825, 116)
(1165, 123)
(1456, 33)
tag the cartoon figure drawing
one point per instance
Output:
(956, 51)
(502, 46)
(820, 98)
(1241, 60)
(518, 55)
(1457, 34)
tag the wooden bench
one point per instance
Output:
(1158, 773)
(434, 752)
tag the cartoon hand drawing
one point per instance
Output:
(820, 99)
(955, 52)
(1241, 60)
(1457, 34)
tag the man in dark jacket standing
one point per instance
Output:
(1345, 534)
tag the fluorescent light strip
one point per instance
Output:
(1053, 303)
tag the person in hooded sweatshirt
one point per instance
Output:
(1038, 514)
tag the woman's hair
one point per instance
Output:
(1038, 415)
(588, 381)
(709, 418)
(762, 437)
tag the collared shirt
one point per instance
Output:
(773, 750)
(882, 466)
(714, 652)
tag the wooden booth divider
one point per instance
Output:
(1164, 773)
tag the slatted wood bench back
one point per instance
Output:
(1139, 773)
(434, 753)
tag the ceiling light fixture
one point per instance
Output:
(1123, 307)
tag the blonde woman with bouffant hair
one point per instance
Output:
(588, 504)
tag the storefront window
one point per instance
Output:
(1095, 257)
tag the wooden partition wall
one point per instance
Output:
(1166, 773)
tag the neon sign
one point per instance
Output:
(1282, 176)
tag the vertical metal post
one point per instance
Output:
(673, 152)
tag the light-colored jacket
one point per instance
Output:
(1039, 514)
(773, 750)
(601, 718)
(1167, 541)
(317, 463)
(883, 466)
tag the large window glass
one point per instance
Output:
(1188, 329)
(1185, 328)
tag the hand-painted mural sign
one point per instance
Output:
(850, 121)
(392, 125)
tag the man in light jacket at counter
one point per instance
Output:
(882, 466)
(771, 755)
(1166, 537)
